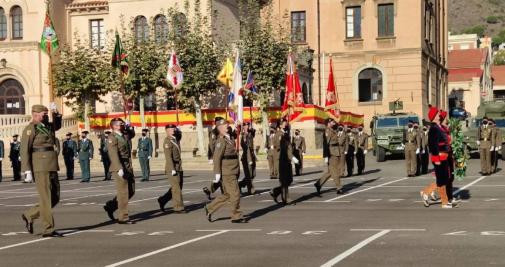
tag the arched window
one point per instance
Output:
(17, 22)
(141, 29)
(180, 24)
(3, 25)
(11, 97)
(160, 29)
(370, 85)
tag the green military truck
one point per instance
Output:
(387, 133)
(494, 110)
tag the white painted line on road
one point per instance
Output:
(393, 230)
(166, 249)
(468, 185)
(374, 199)
(396, 199)
(491, 199)
(323, 201)
(25, 243)
(357, 247)
(366, 189)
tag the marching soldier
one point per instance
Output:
(248, 158)
(335, 150)
(69, 154)
(14, 156)
(85, 152)
(173, 170)
(104, 153)
(485, 142)
(227, 170)
(270, 153)
(213, 137)
(351, 152)
(411, 140)
(343, 138)
(1, 157)
(145, 152)
(497, 146)
(283, 158)
(299, 149)
(40, 162)
(362, 146)
(425, 152)
(119, 150)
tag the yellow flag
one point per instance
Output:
(226, 74)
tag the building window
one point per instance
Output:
(180, 24)
(370, 85)
(3, 25)
(97, 34)
(428, 13)
(386, 20)
(11, 97)
(298, 27)
(353, 22)
(17, 22)
(141, 29)
(160, 29)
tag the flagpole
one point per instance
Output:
(176, 106)
(122, 89)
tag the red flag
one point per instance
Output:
(332, 105)
(293, 100)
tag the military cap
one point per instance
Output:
(328, 120)
(221, 122)
(247, 124)
(85, 132)
(16, 135)
(69, 134)
(107, 132)
(145, 130)
(39, 108)
(218, 118)
(114, 120)
(297, 131)
(170, 126)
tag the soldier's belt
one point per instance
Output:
(484, 139)
(231, 157)
(42, 149)
(335, 145)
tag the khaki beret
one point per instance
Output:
(39, 108)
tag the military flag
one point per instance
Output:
(175, 75)
(235, 97)
(332, 105)
(225, 76)
(250, 85)
(119, 56)
(293, 101)
(49, 41)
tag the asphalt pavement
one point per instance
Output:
(379, 221)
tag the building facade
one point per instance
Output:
(382, 51)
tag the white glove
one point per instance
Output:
(174, 173)
(19, 158)
(52, 106)
(345, 153)
(492, 148)
(422, 151)
(120, 173)
(218, 178)
(149, 157)
(211, 162)
(478, 143)
(326, 160)
(364, 152)
(498, 148)
(303, 154)
(1, 159)
(295, 160)
(251, 163)
(266, 150)
(417, 151)
(29, 177)
(271, 147)
(355, 152)
(90, 158)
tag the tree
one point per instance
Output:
(492, 19)
(499, 58)
(479, 30)
(198, 56)
(83, 75)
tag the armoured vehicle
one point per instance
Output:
(387, 133)
(493, 110)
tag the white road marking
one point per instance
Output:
(71, 232)
(491, 199)
(468, 185)
(166, 249)
(374, 199)
(355, 248)
(366, 189)
(396, 199)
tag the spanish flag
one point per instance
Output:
(225, 76)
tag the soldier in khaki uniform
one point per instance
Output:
(213, 136)
(270, 153)
(119, 150)
(343, 139)
(40, 162)
(351, 152)
(283, 158)
(425, 152)
(227, 170)
(173, 169)
(485, 140)
(362, 149)
(248, 158)
(497, 146)
(412, 142)
(299, 149)
(337, 147)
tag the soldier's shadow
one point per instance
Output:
(152, 214)
(463, 194)
(72, 230)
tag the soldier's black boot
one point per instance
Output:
(318, 188)
(110, 211)
(207, 214)
(162, 205)
(207, 192)
(28, 225)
